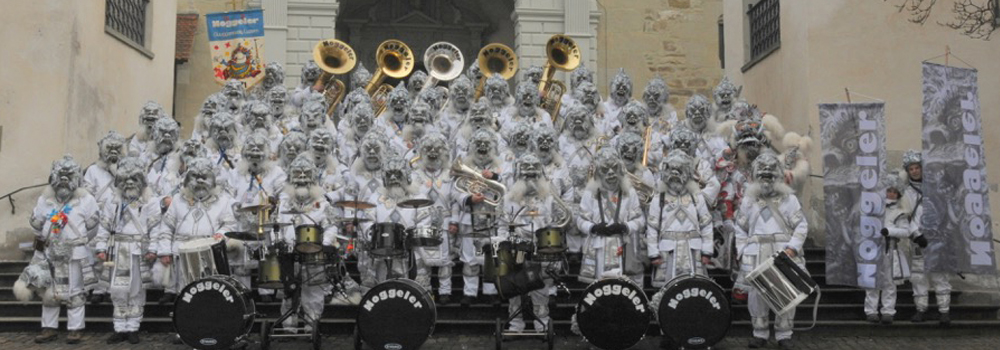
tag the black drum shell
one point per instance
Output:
(207, 319)
(394, 322)
(613, 321)
(692, 320)
(387, 240)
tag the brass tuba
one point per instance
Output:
(469, 181)
(564, 55)
(495, 59)
(444, 62)
(644, 191)
(333, 57)
(395, 60)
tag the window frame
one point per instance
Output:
(752, 60)
(144, 48)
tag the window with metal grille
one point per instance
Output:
(764, 30)
(127, 19)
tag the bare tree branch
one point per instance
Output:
(973, 20)
(919, 9)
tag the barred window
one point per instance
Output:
(764, 34)
(126, 20)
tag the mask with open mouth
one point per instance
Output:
(256, 151)
(621, 88)
(497, 90)
(533, 75)
(274, 75)
(211, 104)
(259, 116)
(579, 122)
(396, 172)
(482, 146)
(150, 113)
(433, 151)
(609, 169)
(131, 178)
(461, 92)
(321, 144)
(750, 136)
(725, 94)
(360, 76)
(111, 148)
(65, 177)
(192, 149)
(526, 99)
(677, 171)
(684, 139)
(529, 168)
(293, 144)
(416, 82)
(372, 151)
(545, 141)
(166, 134)
(580, 74)
(199, 178)
(696, 112)
(277, 98)
(362, 119)
(222, 130)
(430, 97)
(310, 72)
(634, 117)
(479, 114)
(629, 146)
(312, 116)
(399, 102)
(519, 139)
(586, 93)
(767, 170)
(418, 120)
(302, 172)
(234, 93)
(655, 95)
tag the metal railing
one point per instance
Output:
(10, 196)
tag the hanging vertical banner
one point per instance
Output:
(956, 208)
(853, 141)
(236, 41)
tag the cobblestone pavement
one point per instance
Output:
(23, 341)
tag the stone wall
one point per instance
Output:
(677, 39)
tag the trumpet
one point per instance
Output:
(564, 55)
(394, 60)
(333, 57)
(495, 59)
(444, 62)
(469, 181)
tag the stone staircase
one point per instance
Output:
(840, 310)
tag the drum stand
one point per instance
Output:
(548, 335)
(267, 328)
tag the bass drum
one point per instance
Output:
(614, 314)
(213, 313)
(396, 314)
(693, 311)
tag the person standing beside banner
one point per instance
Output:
(922, 280)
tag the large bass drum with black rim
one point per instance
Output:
(213, 313)
(614, 314)
(396, 314)
(693, 311)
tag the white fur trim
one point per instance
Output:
(22, 292)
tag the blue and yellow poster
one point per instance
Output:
(236, 40)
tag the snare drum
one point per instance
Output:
(269, 276)
(550, 240)
(308, 239)
(693, 311)
(614, 314)
(425, 236)
(396, 314)
(203, 257)
(781, 282)
(387, 240)
(213, 313)
(498, 263)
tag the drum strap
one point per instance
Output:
(673, 218)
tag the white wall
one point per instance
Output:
(64, 83)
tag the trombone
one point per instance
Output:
(395, 60)
(495, 59)
(333, 57)
(444, 62)
(564, 55)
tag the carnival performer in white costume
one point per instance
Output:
(213, 104)
(221, 144)
(123, 245)
(922, 280)
(611, 217)
(481, 157)
(679, 228)
(435, 184)
(329, 170)
(201, 210)
(769, 220)
(99, 180)
(894, 264)
(479, 118)
(63, 219)
(310, 74)
(139, 142)
(525, 109)
(619, 94)
(360, 122)
(162, 176)
(457, 108)
(578, 145)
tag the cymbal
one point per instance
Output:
(351, 220)
(415, 203)
(254, 208)
(245, 236)
(354, 204)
